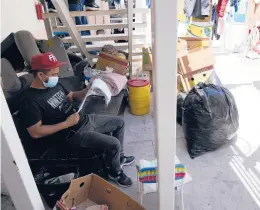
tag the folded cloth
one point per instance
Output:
(61, 179)
(114, 81)
(100, 88)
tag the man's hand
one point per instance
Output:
(72, 120)
(79, 95)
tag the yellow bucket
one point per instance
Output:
(139, 96)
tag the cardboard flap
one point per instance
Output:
(106, 60)
(103, 192)
(198, 59)
(78, 191)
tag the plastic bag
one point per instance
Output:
(180, 99)
(210, 118)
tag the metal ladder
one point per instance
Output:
(136, 39)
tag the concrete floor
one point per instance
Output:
(228, 178)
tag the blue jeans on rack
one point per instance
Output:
(80, 20)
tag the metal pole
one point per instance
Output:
(164, 47)
(16, 172)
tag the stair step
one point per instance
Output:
(133, 54)
(121, 46)
(114, 37)
(99, 12)
(101, 26)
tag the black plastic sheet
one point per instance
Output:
(210, 118)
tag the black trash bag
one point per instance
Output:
(180, 99)
(52, 191)
(210, 118)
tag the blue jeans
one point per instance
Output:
(80, 20)
(148, 3)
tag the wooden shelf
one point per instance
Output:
(121, 46)
(99, 12)
(109, 37)
(101, 26)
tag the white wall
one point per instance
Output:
(20, 15)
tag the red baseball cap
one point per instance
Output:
(45, 61)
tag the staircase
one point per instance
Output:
(132, 20)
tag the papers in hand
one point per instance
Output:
(82, 103)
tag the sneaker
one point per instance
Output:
(92, 7)
(126, 160)
(51, 10)
(122, 180)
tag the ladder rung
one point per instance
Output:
(121, 46)
(137, 53)
(99, 12)
(133, 54)
(114, 37)
(102, 26)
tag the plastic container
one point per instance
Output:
(139, 96)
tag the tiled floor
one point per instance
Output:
(228, 178)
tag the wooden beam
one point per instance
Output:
(68, 22)
(114, 37)
(47, 22)
(102, 26)
(15, 169)
(164, 51)
(99, 12)
(122, 46)
(130, 7)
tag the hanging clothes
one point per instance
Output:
(214, 19)
(221, 7)
(197, 8)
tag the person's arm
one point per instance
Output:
(39, 130)
(77, 96)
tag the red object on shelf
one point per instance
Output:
(39, 11)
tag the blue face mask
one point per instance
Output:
(52, 82)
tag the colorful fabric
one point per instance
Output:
(148, 175)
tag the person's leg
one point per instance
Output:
(111, 147)
(84, 21)
(91, 5)
(76, 7)
(115, 125)
(109, 124)
(79, 20)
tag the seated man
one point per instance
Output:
(50, 116)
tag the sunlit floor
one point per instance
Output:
(225, 179)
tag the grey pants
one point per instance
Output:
(96, 134)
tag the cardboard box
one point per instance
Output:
(196, 61)
(193, 42)
(147, 59)
(119, 65)
(90, 190)
(194, 67)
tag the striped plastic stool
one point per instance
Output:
(147, 175)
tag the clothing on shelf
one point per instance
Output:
(114, 81)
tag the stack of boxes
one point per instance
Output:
(195, 61)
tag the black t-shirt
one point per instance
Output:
(51, 106)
